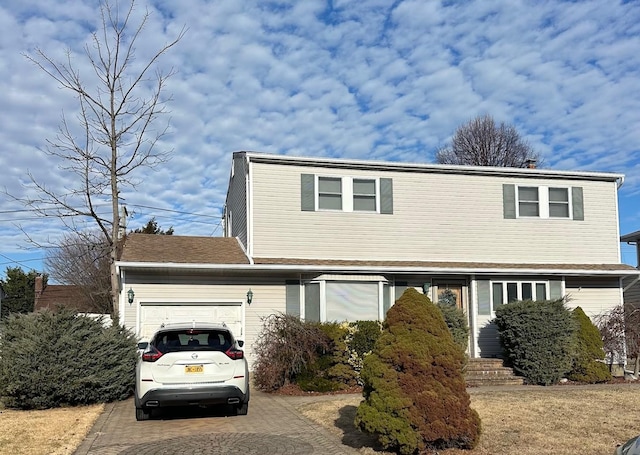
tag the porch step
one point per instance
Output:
(489, 372)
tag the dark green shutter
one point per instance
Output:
(509, 201)
(484, 297)
(578, 203)
(293, 297)
(312, 302)
(307, 192)
(386, 196)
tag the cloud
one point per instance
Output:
(354, 79)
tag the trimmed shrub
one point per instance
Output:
(587, 364)
(414, 389)
(53, 359)
(285, 348)
(537, 338)
(456, 321)
(363, 336)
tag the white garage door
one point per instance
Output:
(152, 315)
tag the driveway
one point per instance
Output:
(273, 426)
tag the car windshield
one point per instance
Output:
(192, 339)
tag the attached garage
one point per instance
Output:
(153, 314)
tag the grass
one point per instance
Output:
(52, 431)
(525, 420)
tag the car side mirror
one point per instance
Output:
(143, 345)
(240, 343)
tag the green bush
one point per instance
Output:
(537, 338)
(587, 364)
(456, 321)
(414, 389)
(286, 347)
(363, 336)
(53, 359)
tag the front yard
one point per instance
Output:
(52, 431)
(589, 420)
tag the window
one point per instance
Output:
(346, 194)
(507, 291)
(364, 195)
(351, 301)
(559, 202)
(528, 201)
(330, 193)
(542, 202)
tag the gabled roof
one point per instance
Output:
(182, 249)
(54, 296)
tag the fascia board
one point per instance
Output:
(363, 269)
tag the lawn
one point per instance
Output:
(526, 420)
(52, 431)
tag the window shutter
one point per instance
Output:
(312, 302)
(484, 297)
(509, 201)
(578, 203)
(555, 289)
(307, 192)
(386, 196)
(293, 297)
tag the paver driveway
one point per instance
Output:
(273, 426)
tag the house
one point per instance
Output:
(335, 239)
(631, 284)
(55, 296)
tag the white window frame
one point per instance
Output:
(544, 203)
(347, 194)
(519, 283)
(376, 194)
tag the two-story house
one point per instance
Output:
(336, 239)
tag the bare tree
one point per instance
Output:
(81, 259)
(481, 142)
(620, 330)
(115, 120)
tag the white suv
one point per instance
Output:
(189, 364)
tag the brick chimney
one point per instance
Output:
(38, 288)
(531, 163)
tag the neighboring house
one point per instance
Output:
(330, 239)
(631, 285)
(56, 296)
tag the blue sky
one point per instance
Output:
(364, 79)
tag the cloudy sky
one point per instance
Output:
(365, 79)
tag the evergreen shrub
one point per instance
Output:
(53, 359)
(414, 389)
(587, 364)
(286, 348)
(537, 338)
(456, 321)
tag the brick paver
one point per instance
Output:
(273, 426)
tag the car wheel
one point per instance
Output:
(243, 409)
(143, 414)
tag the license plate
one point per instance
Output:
(194, 369)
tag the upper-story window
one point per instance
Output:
(543, 202)
(559, 202)
(330, 193)
(528, 201)
(346, 194)
(364, 195)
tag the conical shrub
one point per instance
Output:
(414, 388)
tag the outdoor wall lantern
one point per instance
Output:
(249, 296)
(130, 295)
(425, 288)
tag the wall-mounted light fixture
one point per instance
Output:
(130, 295)
(249, 296)
(425, 288)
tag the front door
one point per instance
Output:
(450, 293)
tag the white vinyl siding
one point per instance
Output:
(593, 295)
(236, 205)
(442, 217)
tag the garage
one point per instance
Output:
(153, 314)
